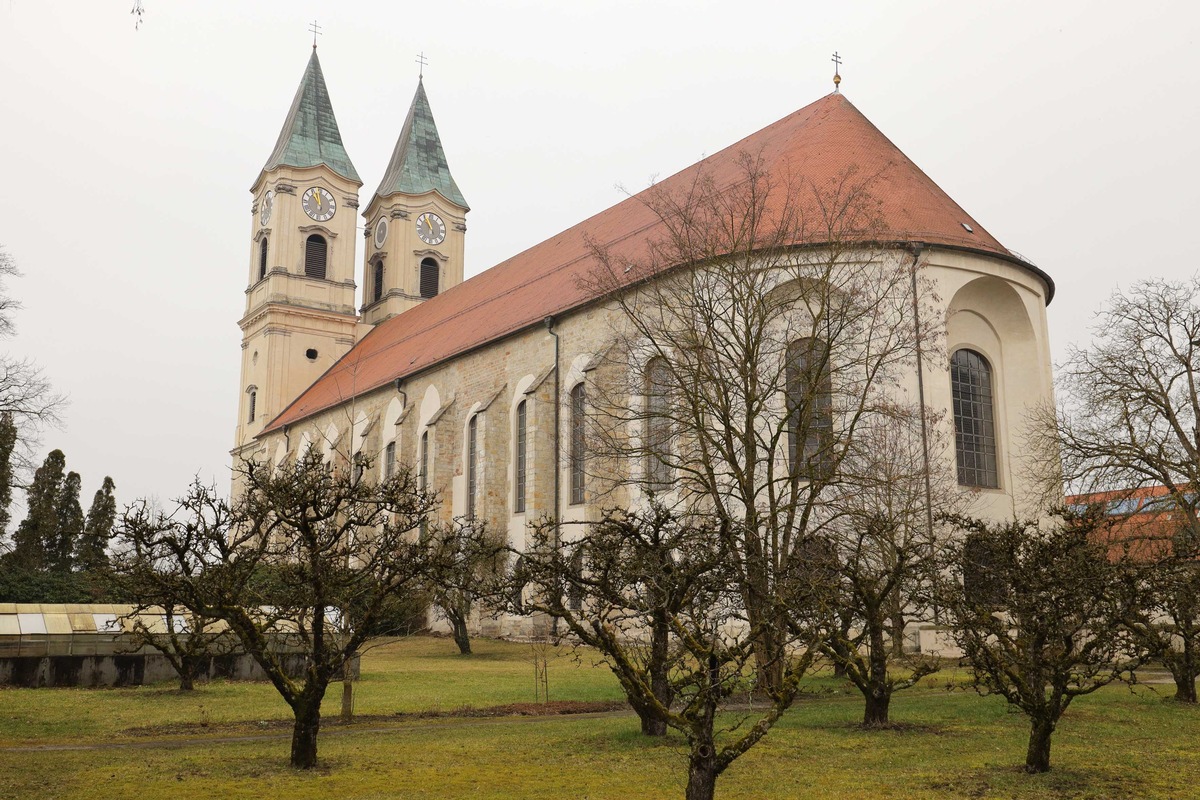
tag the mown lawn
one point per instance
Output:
(1114, 744)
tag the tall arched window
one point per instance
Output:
(658, 424)
(974, 423)
(578, 400)
(429, 278)
(316, 254)
(253, 405)
(262, 258)
(472, 464)
(377, 281)
(809, 395)
(389, 461)
(423, 478)
(519, 458)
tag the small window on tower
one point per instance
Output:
(316, 252)
(377, 281)
(429, 278)
(262, 258)
(253, 404)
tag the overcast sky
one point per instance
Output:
(1071, 130)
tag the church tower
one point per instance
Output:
(415, 223)
(300, 315)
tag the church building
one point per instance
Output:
(476, 384)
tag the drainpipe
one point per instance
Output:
(287, 439)
(557, 472)
(557, 477)
(916, 250)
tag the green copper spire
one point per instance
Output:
(418, 163)
(310, 135)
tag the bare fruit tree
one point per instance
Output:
(1039, 611)
(1129, 422)
(757, 334)
(300, 567)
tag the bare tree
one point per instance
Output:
(755, 336)
(1039, 611)
(25, 393)
(655, 592)
(1129, 421)
(300, 565)
(885, 553)
(464, 560)
(187, 641)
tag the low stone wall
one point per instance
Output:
(131, 670)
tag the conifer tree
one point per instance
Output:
(37, 535)
(69, 531)
(8, 441)
(91, 548)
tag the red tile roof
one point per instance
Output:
(818, 144)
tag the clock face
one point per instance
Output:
(430, 228)
(318, 204)
(380, 232)
(264, 210)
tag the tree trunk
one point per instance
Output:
(304, 732)
(879, 694)
(1185, 687)
(1037, 757)
(347, 691)
(461, 637)
(1183, 670)
(653, 723)
(187, 674)
(702, 771)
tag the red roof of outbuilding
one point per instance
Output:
(818, 143)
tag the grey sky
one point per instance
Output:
(1069, 129)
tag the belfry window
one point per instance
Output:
(429, 278)
(253, 405)
(974, 422)
(578, 399)
(519, 457)
(377, 281)
(809, 408)
(316, 254)
(262, 258)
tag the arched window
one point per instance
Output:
(253, 405)
(262, 258)
(974, 423)
(423, 478)
(519, 457)
(316, 254)
(472, 464)
(578, 399)
(429, 278)
(377, 281)
(658, 425)
(809, 395)
(389, 461)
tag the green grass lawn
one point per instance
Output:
(1111, 745)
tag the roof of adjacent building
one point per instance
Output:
(820, 145)
(418, 163)
(310, 135)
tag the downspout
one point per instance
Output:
(287, 439)
(916, 254)
(557, 477)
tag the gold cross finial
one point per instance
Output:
(316, 31)
(837, 64)
(422, 61)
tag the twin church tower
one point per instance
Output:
(300, 294)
